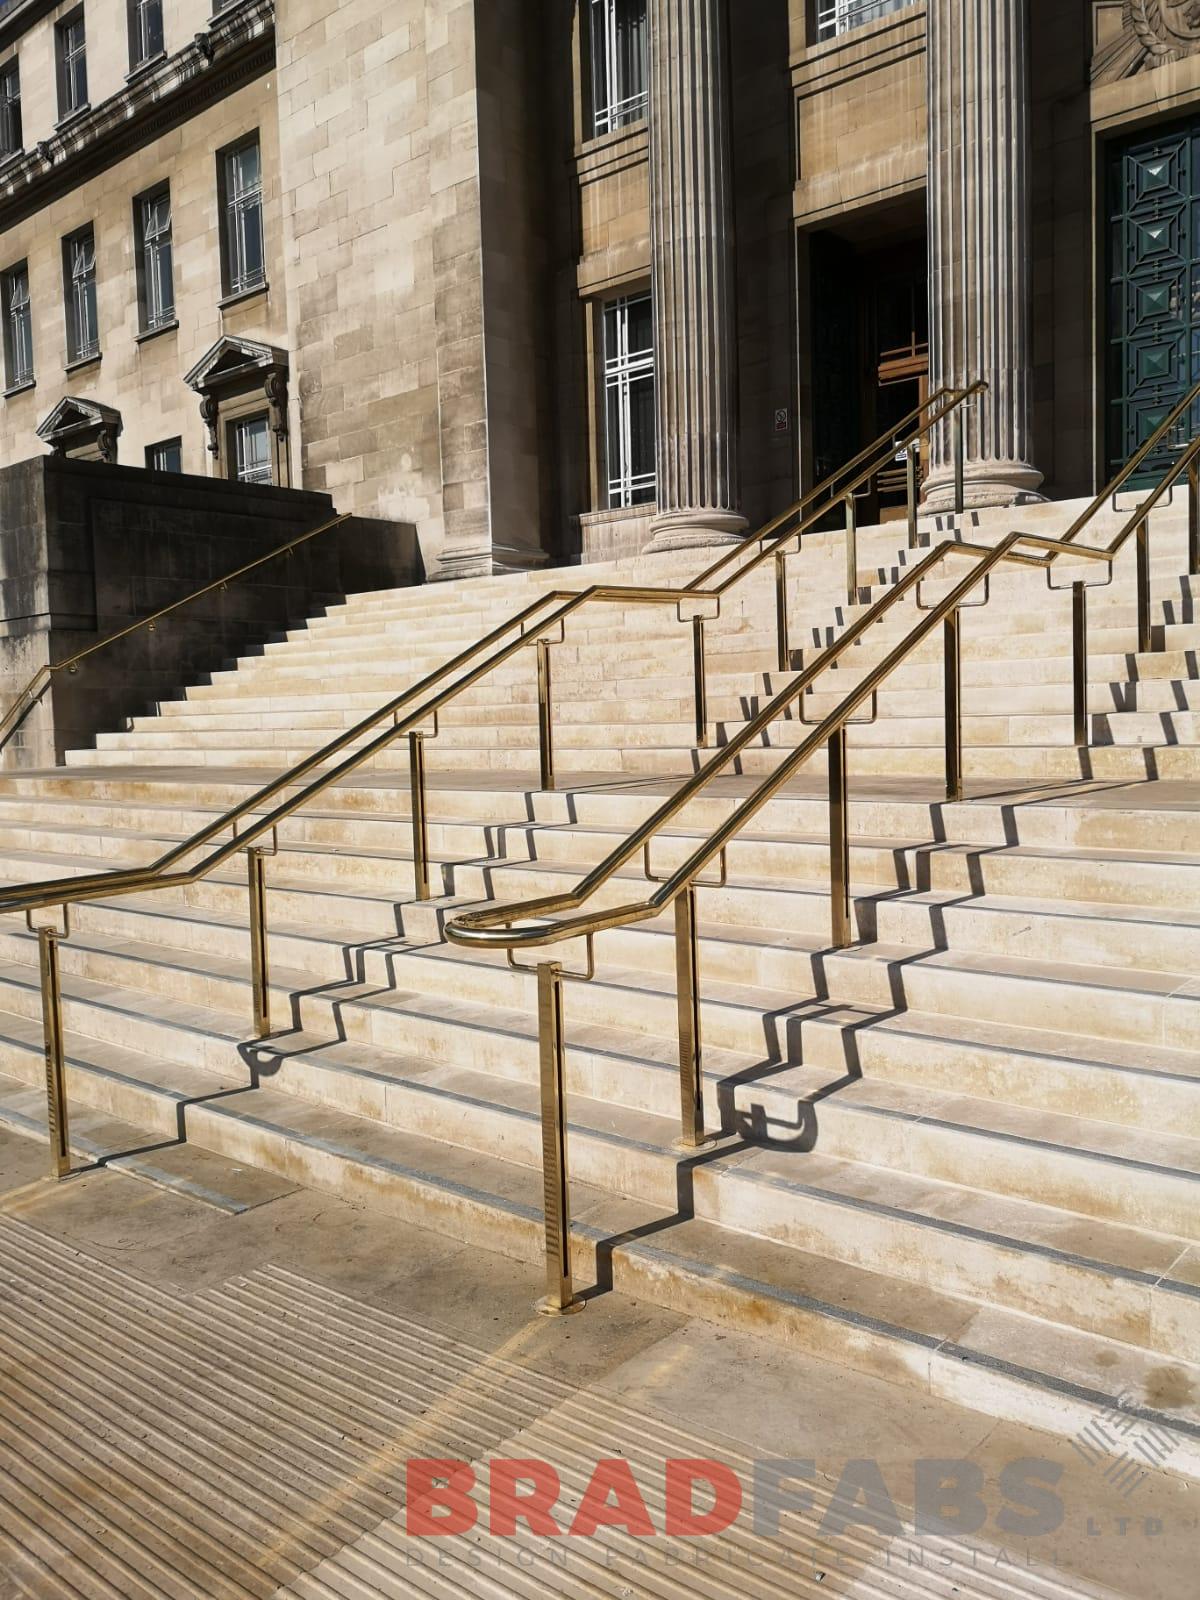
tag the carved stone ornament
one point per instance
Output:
(1167, 29)
(1152, 34)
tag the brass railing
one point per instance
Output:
(45, 675)
(246, 824)
(557, 919)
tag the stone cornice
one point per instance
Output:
(238, 46)
(18, 19)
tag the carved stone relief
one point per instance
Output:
(1151, 34)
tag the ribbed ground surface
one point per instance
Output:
(250, 1440)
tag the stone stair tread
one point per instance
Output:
(1114, 980)
(1018, 1224)
(991, 1119)
(1117, 1054)
(921, 1323)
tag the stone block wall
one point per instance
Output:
(86, 548)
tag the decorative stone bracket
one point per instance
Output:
(75, 426)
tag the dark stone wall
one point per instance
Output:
(87, 548)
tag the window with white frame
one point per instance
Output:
(11, 137)
(250, 455)
(145, 31)
(155, 275)
(617, 42)
(71, 43)
(840, 16)
(18, 327)
(629, 400)
(243, 254)
(79, 282)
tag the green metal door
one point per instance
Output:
(1154, 284)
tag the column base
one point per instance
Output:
(985, 483)
(694, 530)
(490, 562)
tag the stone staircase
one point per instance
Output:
(963, 1153)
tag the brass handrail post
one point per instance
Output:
(782, 623)
(1193, 477)
(952, 635)
(839, 842)
(851, 550)
(913, 476)
(1144, 630)
(687, 986)
(545, 714)
(960, 496)
(420, 822)
(1079, 653)
(560, 1298)
(700, 675)
(260, 972)
(52, 1029)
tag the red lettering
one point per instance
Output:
(437, 1499)
(682, 1518)
(509, 1507)
(628, 1510)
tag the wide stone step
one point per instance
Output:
(988, 1358)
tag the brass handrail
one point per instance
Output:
(553, 920)
(45, 675)
(531, 624)
(133, 880)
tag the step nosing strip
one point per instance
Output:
(963, 1230)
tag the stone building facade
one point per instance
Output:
(553, 279)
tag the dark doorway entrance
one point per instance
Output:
(870, 344)
(1153, 285)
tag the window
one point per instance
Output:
(145, 31)
(629, 400)
(250, 456)
(839, 16)
(156, 289)
(18, 327)
(617, 44)
(166, 456)
(243, 260)
(79, 281)
(72, 65)
(10, 109)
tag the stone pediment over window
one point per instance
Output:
(82, 428)
(234, 368)
(1138, 35)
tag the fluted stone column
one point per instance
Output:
(980, 277)
(691, 221)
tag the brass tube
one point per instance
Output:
(545, 715)
(1144, 630)
(912, 472)
(840, 934)
(954, 744)
(700, 677)
(420, 824)
(782, 624)
(1079, 656)
(851, 550)
(960, 496)
(560, 1295)
(260, 971)
(52, 1030)
(687, 988)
